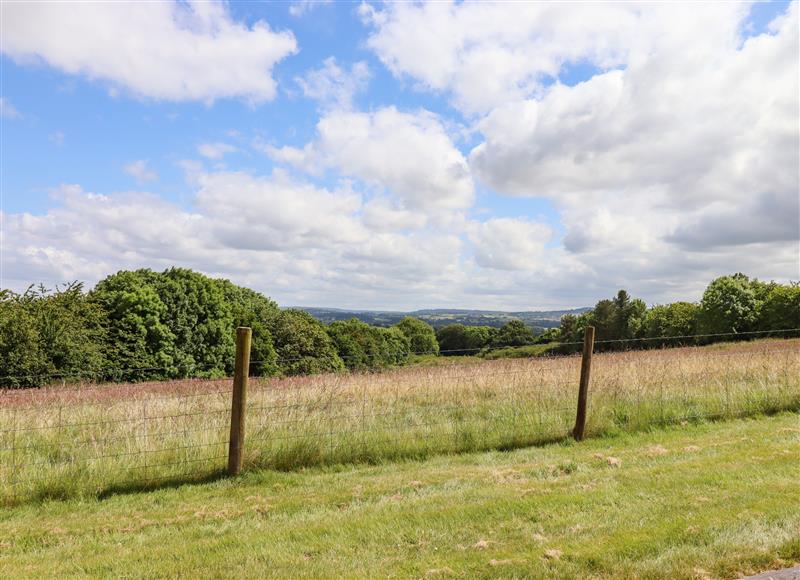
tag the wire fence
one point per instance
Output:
(95, 439)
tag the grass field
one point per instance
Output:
(712, 500)
(91, 441)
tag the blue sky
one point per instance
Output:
(521, 165)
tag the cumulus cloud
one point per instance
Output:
(164, 50)
(408, 154)
(295, 241)
(699, 150)
(332, 86)
(485, 54)
(509, 244)
(676, 161)
(140, 171)
(216, 150)
(276, 212)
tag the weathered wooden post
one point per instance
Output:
(239, 400)
(583, 391)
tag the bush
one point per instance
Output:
(457, 339)
(421, 335)
(730, 304)
(365, 347)
(50, 335)
(302, 344)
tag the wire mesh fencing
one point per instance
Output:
(95, 439)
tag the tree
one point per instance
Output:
(421, 335)
(22, 360)
(250, 308)
(729, 305)
(513, 333)
(201, 320)
(671, 320)
(302, 344)
(139, 344)
(781, 308)
(458, 339)
(357, 343)
(396, 346)
(365, 347)
(71, 331)
(46, 335)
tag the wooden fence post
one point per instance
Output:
(239, 400)
(583, 391)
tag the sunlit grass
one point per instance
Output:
(67, 442)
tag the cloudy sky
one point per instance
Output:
(479, 155)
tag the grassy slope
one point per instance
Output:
(722, 500)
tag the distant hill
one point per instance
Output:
(438, 317)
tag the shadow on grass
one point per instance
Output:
(168, 482)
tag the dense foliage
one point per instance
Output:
(145, 325)
(363, 347)
(420, 334)
(50, 336)
(730, 305)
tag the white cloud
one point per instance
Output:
(407, 154)
(332, 86)
(297, 242)
(676, 162)
(164, 50)
(698, 152)
(485, 54)
(276, 212)
(7, 110)
(140, 171)
(509, 244)
(216, 150)
(299, 8)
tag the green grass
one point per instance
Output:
(66, 443)
(711, 500)
(520, 351)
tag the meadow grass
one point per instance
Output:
(94, 440)
(707, 500)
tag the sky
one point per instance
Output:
(504, 156)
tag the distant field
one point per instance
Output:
(61, 443)
(714, 500)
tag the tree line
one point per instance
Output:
(146, 325)
(730, 305)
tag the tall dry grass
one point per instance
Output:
(90, 439)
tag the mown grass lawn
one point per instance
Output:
(709, 500)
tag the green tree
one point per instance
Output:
(513, 333)
(201, 320)
(396, 346)
(730, 304)
(781, 308)
(458, 339)
(364, 347)
(421, 335)
(250, 308)
(71, 332)
(49, 335)
(22, 360)
(671, 320)
(139, 344)
(302, 344)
